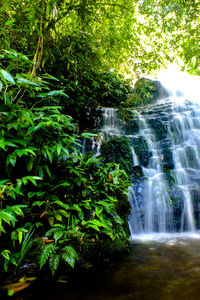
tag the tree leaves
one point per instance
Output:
(47, 182)
(6, 76)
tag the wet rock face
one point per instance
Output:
(131, 126)
(149, 91)
(142, 150)
(158, 117)
(159, 128)
(157, 133)
(178, 205)
(137, 172)
(195, 195)
(167, 132)
(161, 92)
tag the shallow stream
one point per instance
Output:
(161, 267)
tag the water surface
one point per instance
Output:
(161, 267)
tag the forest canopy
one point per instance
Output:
(132, 37)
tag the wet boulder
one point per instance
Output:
(142, 150)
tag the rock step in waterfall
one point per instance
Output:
(165, 144)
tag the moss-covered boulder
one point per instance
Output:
(142, 150)
(118, 150)
(159, 128)
(137, 172)
(146, 91)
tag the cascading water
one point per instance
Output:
(157, 208)
(165, 145)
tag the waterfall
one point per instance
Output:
(165, 145)
(157, 208)
(111, 123)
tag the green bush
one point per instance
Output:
(117, 150)
(53, 199)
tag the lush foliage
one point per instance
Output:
(118, 150)
(130, 36)
(53, 199)
(93, 90)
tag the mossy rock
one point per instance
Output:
(142, 150)
(137, 172)
(160, 129)
(146, 91)
(118, 150)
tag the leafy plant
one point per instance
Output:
(53, 197)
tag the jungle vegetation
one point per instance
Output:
(59, 59)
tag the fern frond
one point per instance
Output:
(48, 249)
(54, 261)
(69, 255)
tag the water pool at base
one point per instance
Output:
(161, 267)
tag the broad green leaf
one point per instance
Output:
(58, 235)
(47, 170)
(11, 144)
(7, 76)
(88, 135)
(9, 22)
(20, 235)
(2, 144)
(40, 172)
(11, 159)
(6, 254)
(17, 209)
(50, 155)
(53, 93)
(26, 151)
(59, 149)
(33, 179)
(63, 213)
(38, 203)
(58, 216)
(29, 165)
(14, 235)
(6, 263)
(22, 80)
(13, 261)
(5, 216)
(84, 193)
(98, 211)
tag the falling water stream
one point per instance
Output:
(165, 217)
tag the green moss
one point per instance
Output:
(145, 91)
(118, 150)
(142, 150)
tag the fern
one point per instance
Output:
(69, 255)
(54, 261)
(48, 250)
